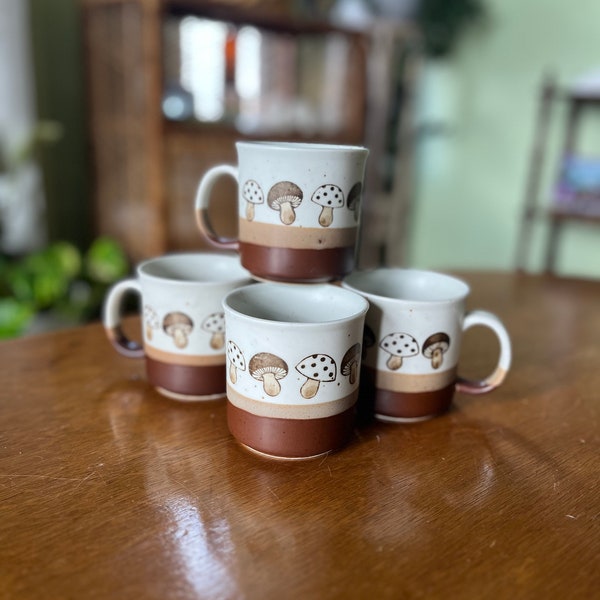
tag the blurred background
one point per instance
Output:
(479, 115)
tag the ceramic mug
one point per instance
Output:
(182, 321)
(412, 341)
(298, 209)
(293, 357)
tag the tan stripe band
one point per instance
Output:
(184, 359)
(405, 382)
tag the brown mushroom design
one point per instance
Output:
(328, 197)
(215, 325)
(316, 368)
(399, 346)
(236, 360)
(178, 326)
(350, 363)
(434, 348)
(253, 195)
(284, 197)
(151, 320)
(353, 201)
(269, 369)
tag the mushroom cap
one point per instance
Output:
(235, 355)
(400, 344)
(354, 196)
(437, 341)
(252, 192)
(215, 323)
(177, 320)
(284, 191)
(328, 195)
(320, 367)
(350, 357)
(265, 362)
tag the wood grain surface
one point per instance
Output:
(108, 490)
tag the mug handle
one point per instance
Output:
(480, 317)
(202, 204)
(111, 319)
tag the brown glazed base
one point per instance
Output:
(290, 438)
(184, 380)
(297, 265)
(392, 406)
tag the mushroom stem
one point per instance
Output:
(249, 211)
(286, 213)
(394, 362)
(148, 332)
(180, 338)
(437, 358)
(310, 388)
(353, 372)
(217, 341)
(326, 216)
(232, 373)
(270, 384)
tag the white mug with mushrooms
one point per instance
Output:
(299, 209)
(412, 339)
(183, 325)
(293, 367)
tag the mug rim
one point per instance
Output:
(349, 284)
(301, 146)
(243, 275)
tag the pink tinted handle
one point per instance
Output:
(202, 204)
(486, 319)
(111, 319)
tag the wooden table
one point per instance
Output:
(108, 490)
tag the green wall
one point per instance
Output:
(471, 179)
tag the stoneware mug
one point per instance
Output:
(293, 356)
(412, 340)
(298, 209)
(182, 321)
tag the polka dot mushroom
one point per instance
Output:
(215, 325)
(269, 369)
(151, 320)
(328, 197)
(236, 360)
(253, 195)
(316, 368)
(399, 346)
(434, 348)
(350, 363)
(178, 326)
(284, 197)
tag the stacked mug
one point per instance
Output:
(289, 359)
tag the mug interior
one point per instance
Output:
(408, 284)
(297, 304)
(205, 268)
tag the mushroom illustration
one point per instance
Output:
(215, 324)
(434, 348)
(178, 326)
(328, 196)
(368, 340)
(284, 197)
(269, 369)
(151, 320)
(236, 360)
(353, 201)
(351, 362)
(316, 368)
(253, 195)
(399, 346)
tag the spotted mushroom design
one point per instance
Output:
(253, 195)
(236, 360)
(269, 369)
(328, 197)
(178, 326)
(434, 348)
(151, 320)
(316, 368)
(284, 197)
(399, 346)
(350, 363)
(215, 325)
(353, 201)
